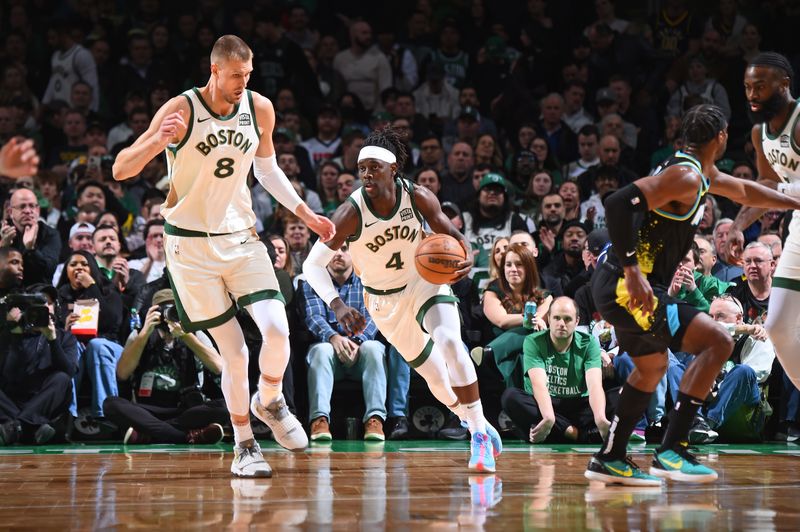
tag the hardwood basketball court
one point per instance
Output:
(394, 486)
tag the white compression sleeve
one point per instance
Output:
(790, 189)
(272, 178)
(315, 269)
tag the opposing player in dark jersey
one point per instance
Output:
(652, 223)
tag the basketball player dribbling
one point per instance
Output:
(382, 221)
(776, 139)
(212, 136)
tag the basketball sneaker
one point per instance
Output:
(494, 436)
(249, 462)
(208, 435)
(681, 466)
(481, 456)
(619, 472)
(286, 429)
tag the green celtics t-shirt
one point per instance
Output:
(566, 372)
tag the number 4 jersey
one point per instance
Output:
(383, 249)
(208, 169)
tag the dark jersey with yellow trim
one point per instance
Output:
(664, 238)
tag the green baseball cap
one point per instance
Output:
(493, 179)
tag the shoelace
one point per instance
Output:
(630, 462)
(247, 451)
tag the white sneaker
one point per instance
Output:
(249, 462)
(286, 429)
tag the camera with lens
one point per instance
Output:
(168, 313)
(33, 308)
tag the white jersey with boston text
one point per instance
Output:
(783, 155)
(383, 249)
(208, 169)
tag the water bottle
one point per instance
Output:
(529, 314)
(135, 322)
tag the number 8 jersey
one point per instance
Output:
(383, 249)
(208, 169)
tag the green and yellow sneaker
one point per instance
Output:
(619, 472)
(681, 466)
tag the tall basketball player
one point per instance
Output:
(652, 223)
(212, 136)
(776, 138)
(383, 222)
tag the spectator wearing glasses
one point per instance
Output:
(38, 243)
(753, 292)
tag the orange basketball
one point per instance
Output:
(437, 258)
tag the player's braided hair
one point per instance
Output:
(389, 139)
(702, 123)
(774, 60)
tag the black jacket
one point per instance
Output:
(41, 261)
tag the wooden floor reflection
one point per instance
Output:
(375, 490)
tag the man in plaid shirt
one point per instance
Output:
(335, 355)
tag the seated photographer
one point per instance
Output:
(738, 384)
(98, 354)
(161, 363)
(563, 399)
(38, 361)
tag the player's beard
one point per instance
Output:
(769, 109)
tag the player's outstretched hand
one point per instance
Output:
(465, 265)
(18, 158)
(322, 226)
(639, 290)
(351, 320)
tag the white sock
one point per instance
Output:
(268, 392)
(473, 414)
(242, 433)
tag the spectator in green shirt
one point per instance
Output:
(563, 397)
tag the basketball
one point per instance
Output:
(437, 258)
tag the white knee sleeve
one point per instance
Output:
(444, 325)
(434, 371)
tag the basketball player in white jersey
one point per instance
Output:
(212, 136)
(776, 139)
(383, 222)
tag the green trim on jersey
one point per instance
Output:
(794, 145)
(188, 128)
(261, 295)
(193, 326)
(693, 163)
(353, 238)
(423, 356)
(397, 203)
(212, 113)
(410, 191)
(177, 231)
(438, 298)
(788, 284)
(765, 125)
(253, 112)
(376, 292)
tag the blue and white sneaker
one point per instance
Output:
(481, 455)
(494, 436)
(681, 466)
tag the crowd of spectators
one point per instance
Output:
(520, 116)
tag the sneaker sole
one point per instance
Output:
(374, 437)
(626, 481)
(128, 434)
(299, 445)
(677, 476)
(257, 474)
(321, 437)
(481, 467)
